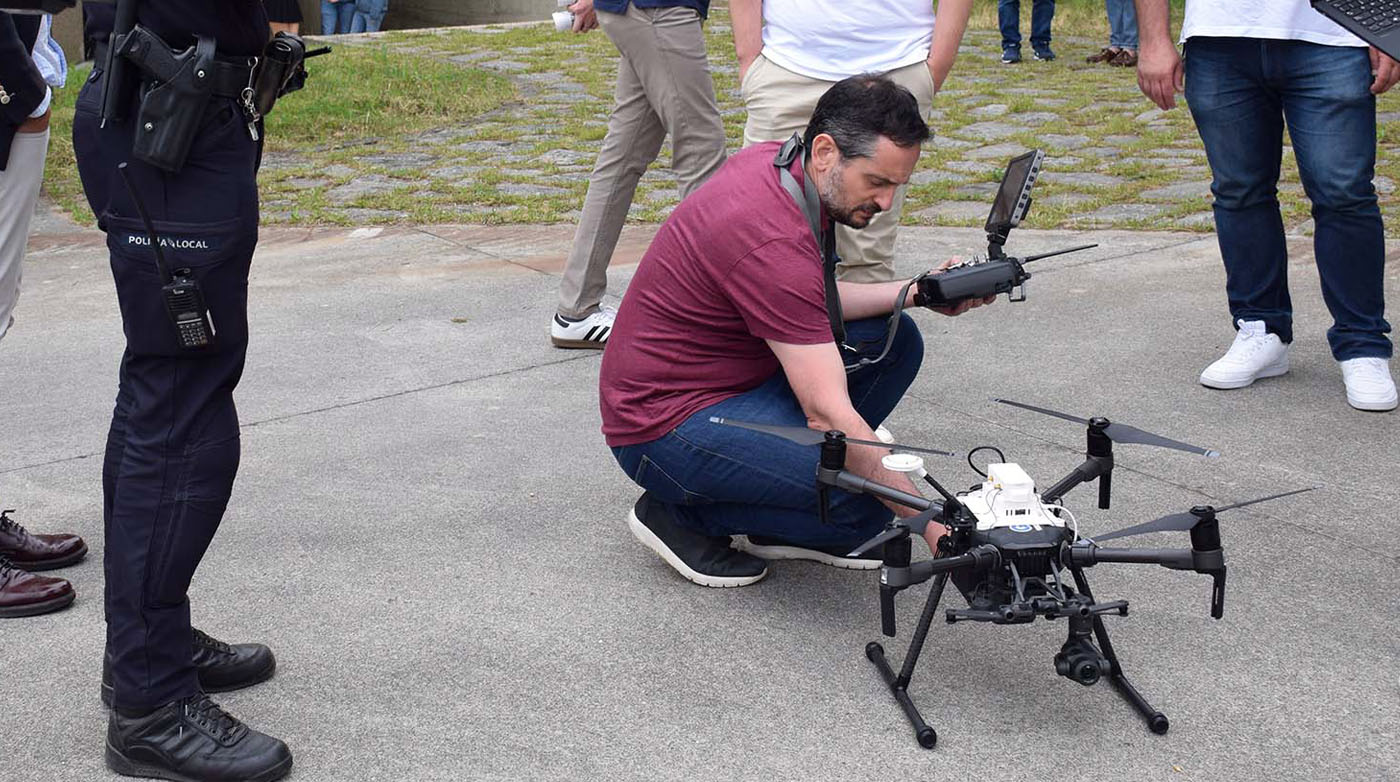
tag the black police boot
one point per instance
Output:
(221, 667)
(193, 740)
(707, 561)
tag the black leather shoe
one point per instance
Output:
(221, 667)
(37, 552)
(707, 561)
(193, 740)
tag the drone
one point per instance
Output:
(1016, 554)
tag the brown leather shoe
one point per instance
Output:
(1125, 57)
(1106, 54)
(25, 594)
(37, 552)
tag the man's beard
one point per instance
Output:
(834, 199)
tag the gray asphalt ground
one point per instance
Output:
(429, 530)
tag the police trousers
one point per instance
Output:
(173, 446)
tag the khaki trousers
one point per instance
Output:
(663, 86)
(780, 102)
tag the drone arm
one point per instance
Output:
(1209, 562)
(849, 481)
(981, 558)
(1173, 559)
(1092, 468)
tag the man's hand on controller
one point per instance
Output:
(964, 305)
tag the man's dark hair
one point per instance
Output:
(858, 110)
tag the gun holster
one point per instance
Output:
(173, 97)
(280, 71)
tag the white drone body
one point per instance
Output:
(1008, 499)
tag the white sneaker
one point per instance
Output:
(1254, 354)
(587, 332)
(1369, 385)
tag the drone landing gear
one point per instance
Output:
(1156, 721)
(899, 685)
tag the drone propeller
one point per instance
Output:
(899, 528)
(804, 436)
(1181, 522)
(1121, 433)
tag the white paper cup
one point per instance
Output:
(563, 21)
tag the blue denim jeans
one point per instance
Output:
(369, 14)
(335, 17)
(1122, 24)
(723, 480)
(1009, 18)
(1242, 92)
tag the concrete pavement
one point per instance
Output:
(429, 530)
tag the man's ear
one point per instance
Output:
(825, 154)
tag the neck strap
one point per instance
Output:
(809, 204)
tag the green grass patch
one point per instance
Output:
(500, 126)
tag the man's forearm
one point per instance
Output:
(1154, 22)
(860, 300)
(746, 17)
(949, 24)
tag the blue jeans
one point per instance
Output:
(1122, 24)
(369, 14)
(1009, 18)
(1241, 92)
(723, 480)
(335, 17)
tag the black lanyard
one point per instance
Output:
(807, 200)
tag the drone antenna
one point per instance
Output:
(1053, 253)
(950, 503)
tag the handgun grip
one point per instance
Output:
(151, 54)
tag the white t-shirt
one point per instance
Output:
(1292, 20)
(830, 40)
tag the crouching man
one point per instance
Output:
(728, 316)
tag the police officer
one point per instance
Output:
(173, 446)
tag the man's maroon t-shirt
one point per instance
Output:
(734, 265)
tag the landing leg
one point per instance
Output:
(1156, 721)
(899, 685)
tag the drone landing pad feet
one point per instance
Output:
(899, 684)
(1156, 721)
(927, 736)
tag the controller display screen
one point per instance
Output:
(1010, 204)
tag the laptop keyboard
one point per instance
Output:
(1375, 15)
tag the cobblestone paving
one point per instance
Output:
(1113, 160)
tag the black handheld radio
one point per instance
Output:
(998, 273)
(184, 301)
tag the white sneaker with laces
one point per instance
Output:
(590, 331)
(1369, 384)
(1255, 353)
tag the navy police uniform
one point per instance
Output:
(173, 447)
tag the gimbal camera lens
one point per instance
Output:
(1080, 661)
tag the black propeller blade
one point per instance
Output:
(916, 524)
(1181, 522)
(889, 534)
(1121, 433)
(804, 436)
